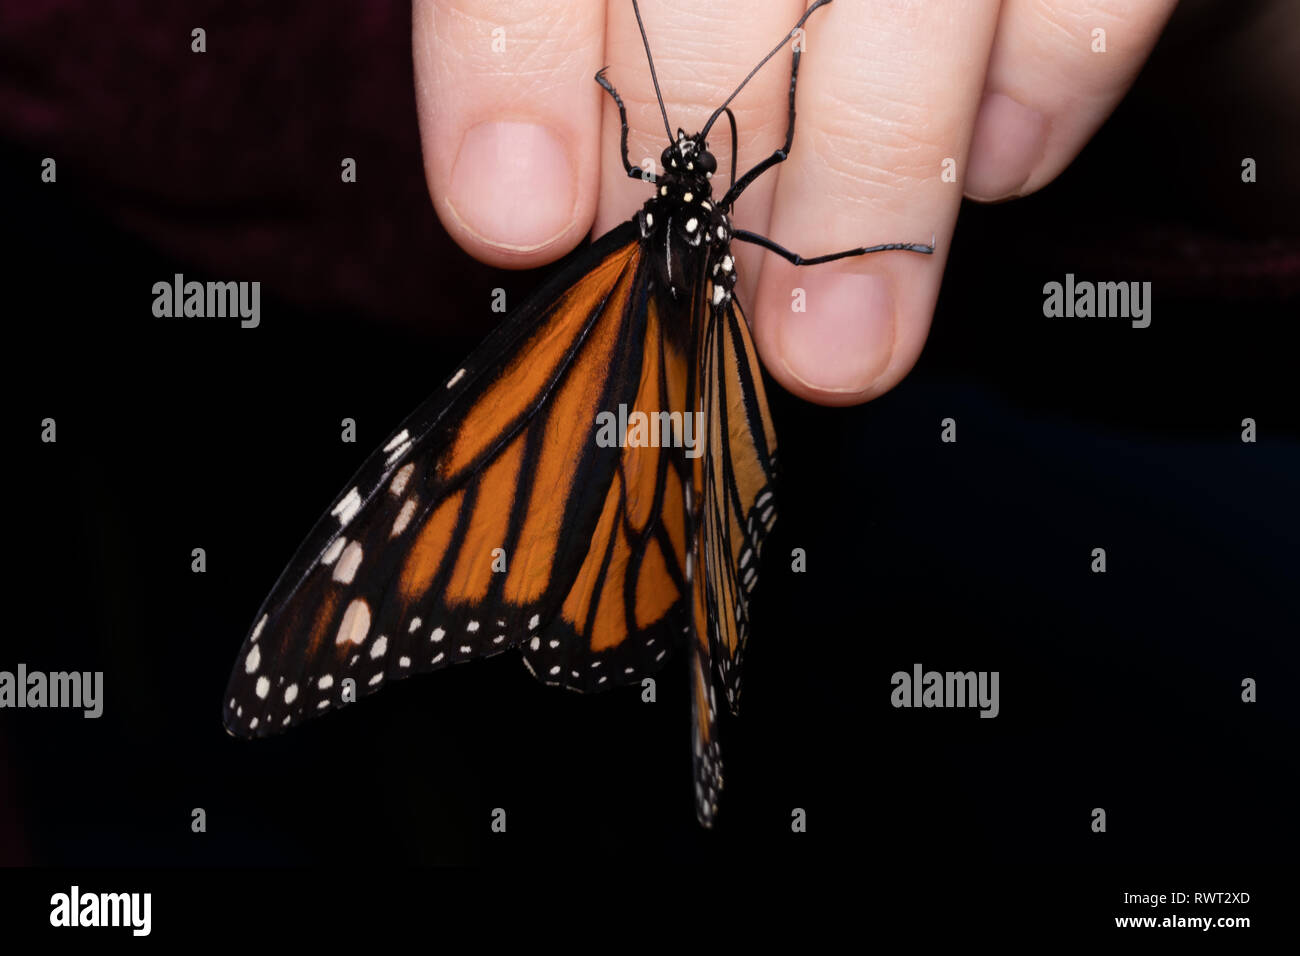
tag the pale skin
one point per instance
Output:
(522, 159)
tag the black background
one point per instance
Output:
(1119, 690)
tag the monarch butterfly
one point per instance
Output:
(492, 520)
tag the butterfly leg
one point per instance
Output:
(731, 118)
(632, 171)
(779, 156)
(746, 236)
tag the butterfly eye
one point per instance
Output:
(706, 162)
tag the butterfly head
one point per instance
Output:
(689, 230)
(688, 160)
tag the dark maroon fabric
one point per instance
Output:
(230, 159)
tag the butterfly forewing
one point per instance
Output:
(492, 519)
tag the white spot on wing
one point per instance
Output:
(398, 484)
(291, 693)
(456, 378)
(326, 682)
(334, 550)
(346, 569)
(253, 659)
(437, 634)
(379, 647)
(403, 517)
(415, 625)
(263, 687)
(347, 507)
(257, 631)
(355, 623)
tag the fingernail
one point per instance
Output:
(1008, 145)
(843, 339)
(513, 185)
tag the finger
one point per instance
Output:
(509, 122)
(1058, 69)
(701, 53)
(887, 91)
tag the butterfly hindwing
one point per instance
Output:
(706, 753)
(733, 513)
(739, 504)
(625, 605)
(472, 529)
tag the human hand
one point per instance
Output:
(522, 157)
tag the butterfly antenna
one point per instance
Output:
(775, 50)
(654, 78)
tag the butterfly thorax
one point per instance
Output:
(690, 235)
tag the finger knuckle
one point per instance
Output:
(880, 144)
